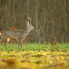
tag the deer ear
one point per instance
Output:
(29, 19)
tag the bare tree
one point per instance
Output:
(49, 17)
(36, 20)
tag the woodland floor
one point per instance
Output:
(34, 56)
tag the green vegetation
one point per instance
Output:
(34, 56)
(35, 46)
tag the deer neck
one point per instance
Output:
(26, 32)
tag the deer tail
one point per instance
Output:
(0, 33)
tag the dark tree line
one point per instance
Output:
(49, 17)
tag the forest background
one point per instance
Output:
(49, 17)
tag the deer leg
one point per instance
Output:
(5, 42)
(21, 43)
(2, 39)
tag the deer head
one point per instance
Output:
(29, 25)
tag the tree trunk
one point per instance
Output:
(36, 20)
(42, 23)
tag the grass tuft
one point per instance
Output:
(35, 46)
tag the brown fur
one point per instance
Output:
(13, 33)
(14, 28)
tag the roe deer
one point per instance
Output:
(18, 35)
